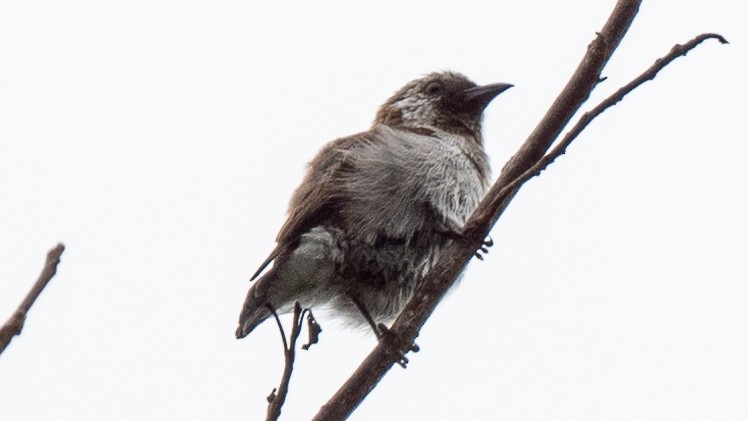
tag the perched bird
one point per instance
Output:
(376, 209)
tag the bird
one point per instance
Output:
(376, 209)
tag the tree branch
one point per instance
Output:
(526, 163)
(278, 396)
(442, 276)
(14, 325)
(507, 190)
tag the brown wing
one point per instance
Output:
(320, 197)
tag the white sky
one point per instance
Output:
(160, 141)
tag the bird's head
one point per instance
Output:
(446, 101)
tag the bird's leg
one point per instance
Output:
(450, 230)
(380, 330)
(367, 316)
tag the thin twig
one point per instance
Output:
(276, 400)
(280, 327)
(14, 325)
(677, 51)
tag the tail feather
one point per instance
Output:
(255, 309)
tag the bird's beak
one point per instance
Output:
(479, 96)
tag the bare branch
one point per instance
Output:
(442, 276)
(560, 149)
(575, 93)
(527, 162)
(14, 325)
(278, 396)
(280, 326)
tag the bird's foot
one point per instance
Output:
(384, 332)
(456, 233)
(488, 242)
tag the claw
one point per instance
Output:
(488, 242)
(402, 359)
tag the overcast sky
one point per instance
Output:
(161, 141)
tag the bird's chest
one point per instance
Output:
(408, 186)
(453, 188)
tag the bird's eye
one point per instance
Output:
(434, 88)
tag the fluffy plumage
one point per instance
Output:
(375, 209)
